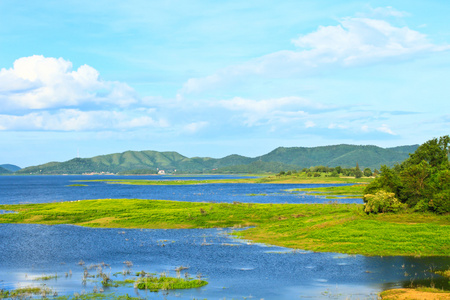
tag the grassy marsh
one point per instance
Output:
(343, 228)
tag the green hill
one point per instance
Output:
(338, 155)
(277, 160)
(9, 167)
(4, 171)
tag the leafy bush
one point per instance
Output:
(381, 202)
(440, 202)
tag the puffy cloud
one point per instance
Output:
(362, 40)
(76, 120)
(39, 82)
(353, 42)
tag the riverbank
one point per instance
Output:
(342, 228)
(418, 293)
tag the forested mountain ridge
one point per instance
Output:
(274, 161)
(4, 171)
(8, 168)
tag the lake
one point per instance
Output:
(235, 269)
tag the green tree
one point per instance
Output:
(368, 172)
(435, 152)
(358, 173)
(422, 181)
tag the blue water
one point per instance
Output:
(39, 189)
(234, 268)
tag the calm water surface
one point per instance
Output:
(235, 269)
(38, 189)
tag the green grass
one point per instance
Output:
(73, 185)
(92, 296)
(341, 228)
(23, 293)
(303, 178)
(46, 277)
(154, 284)
(349, 191)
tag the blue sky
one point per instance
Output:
(213, 78)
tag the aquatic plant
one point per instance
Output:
(46, 277)
(164, 282)
(23, 292)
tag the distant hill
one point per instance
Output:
(9, 167)
(277, 160)
(4, 171)
(338, 155)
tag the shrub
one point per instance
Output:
(440, 202)
(381, 202)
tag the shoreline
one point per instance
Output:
(340, 228)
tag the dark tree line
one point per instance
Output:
(333, 171)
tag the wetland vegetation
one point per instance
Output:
(141, 280)
(334, 227)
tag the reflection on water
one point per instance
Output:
(233, 268)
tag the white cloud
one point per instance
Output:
(276, 110)
(195, 127)
(263, 106)
(387, 11)
(76, 120)
(37, 82)
(339, 126)
(361, 40)
(353, 42)
(384, 128)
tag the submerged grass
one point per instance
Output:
(46, 277)
(343, 228)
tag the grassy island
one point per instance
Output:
(154, 284)
(343, 228)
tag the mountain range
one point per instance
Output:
(280, 159)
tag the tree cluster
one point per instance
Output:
(332, 172)
(422, 181)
